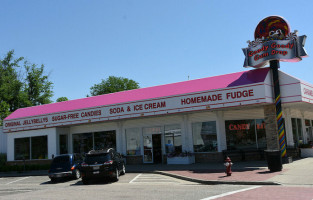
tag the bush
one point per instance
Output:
(3, 159)
(20, 168)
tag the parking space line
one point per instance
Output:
(135, 178)
(230, 193)
(17, 180)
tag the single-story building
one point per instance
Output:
(204, 117)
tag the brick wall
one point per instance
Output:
(271, 127)
(134, 160)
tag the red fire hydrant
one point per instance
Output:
(228, 165)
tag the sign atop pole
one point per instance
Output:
(274, 41)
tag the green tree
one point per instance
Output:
(21, 85)
(60, 99)
(37, 85)
(10, 84)
(113, 84)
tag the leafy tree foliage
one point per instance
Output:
(21, 85)
(113, 84)
(60, 99)
(10, 85)
(37, 85)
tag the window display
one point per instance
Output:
(245, 134)
(133, 141)
(104, 140)
(297, 131)
(173, 138)
(261, 134)
(204, 136)
(31, 148)
(22, 148)
(39, 147)
(63, 144)
(82, 143)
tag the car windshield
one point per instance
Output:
(61, 159)
(97, 158)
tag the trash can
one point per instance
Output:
(274, 160)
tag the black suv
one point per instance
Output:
(102, 164)
(67, 165)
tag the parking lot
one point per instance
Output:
(130, 186)
(131, 178)
(137, 186)
(40, 187)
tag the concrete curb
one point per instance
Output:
(215, 182)
(204, 182)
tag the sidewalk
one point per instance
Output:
(299, 172)
(244, 173)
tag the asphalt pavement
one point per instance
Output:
(299, 172)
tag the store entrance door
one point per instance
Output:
(157, 148)
(147, 149)
(152, 146)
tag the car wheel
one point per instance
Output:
(123, 170)
(76, 174)
(85, 181)
(53, 180)
(116, 175)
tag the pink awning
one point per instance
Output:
(192, 86)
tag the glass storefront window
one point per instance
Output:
(261, 134)
(152, 148)
(297, 131)
(300, 135)
(39, 147)
(294, 131)
(240, 134)
(147, 149)
(63, 144)
(173, 139)
(82, 143)
(22, 148)
(204, 136)
(133, 141)
(31, 148)
(104, 140)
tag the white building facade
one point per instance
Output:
(204, 117)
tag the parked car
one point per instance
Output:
(102, 164)
(67, 165)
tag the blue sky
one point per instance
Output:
(151, 42)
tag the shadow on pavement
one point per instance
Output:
(64, 180)
(93, 182)
(198, 167)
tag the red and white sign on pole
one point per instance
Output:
(274, 41)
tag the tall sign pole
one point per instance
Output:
(274, 65)
(274, 43)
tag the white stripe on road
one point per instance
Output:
(135, 178)
(230, 193)
(17, 180)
